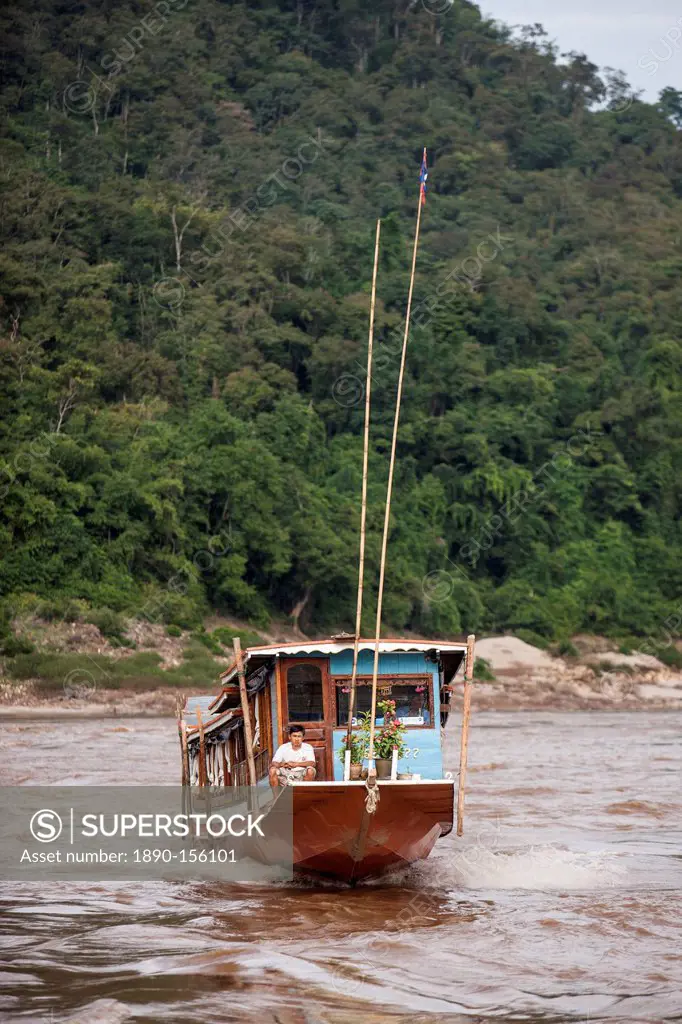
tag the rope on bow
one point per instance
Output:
(373, 796)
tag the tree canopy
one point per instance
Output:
(188, 200)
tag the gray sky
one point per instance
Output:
(641, 37)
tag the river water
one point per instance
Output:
(562, 902)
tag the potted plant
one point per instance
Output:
(357, 753)
(387, 736)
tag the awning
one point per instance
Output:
(255, 682)
(218, 727)
(325, 648)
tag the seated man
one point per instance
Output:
(293, 761)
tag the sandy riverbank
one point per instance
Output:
(27, 704)
(525, 678)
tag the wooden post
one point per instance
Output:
(280, 700)
(202, 750)
(466, 715)
(248, 735)
(185, 754)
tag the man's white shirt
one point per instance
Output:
(287, 753)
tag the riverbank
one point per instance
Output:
(511, 676)
(593, 677)
(26, 702)
(46, 712)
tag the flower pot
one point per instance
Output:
(383, 767)
(355, 772)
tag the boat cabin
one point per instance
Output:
(308, 684)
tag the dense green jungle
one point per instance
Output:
(189, 193)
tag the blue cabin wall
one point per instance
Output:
(424, 743)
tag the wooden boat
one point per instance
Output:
(307, 683)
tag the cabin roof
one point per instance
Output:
(328, 647)
(210, 721)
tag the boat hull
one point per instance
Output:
(336, 837)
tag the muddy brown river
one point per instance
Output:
(562, 902)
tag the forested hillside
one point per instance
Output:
(189, 196)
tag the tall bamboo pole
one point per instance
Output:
(248, 735)
(464, 746)
(186, 777)
(363, 512)
(279, 687)
(391, 467)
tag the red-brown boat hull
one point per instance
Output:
(336, 837)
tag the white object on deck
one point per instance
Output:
(394, 764)
(346, 766)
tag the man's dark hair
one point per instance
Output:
(296, 728)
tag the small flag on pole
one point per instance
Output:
(423, 176)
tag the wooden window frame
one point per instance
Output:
(323, 666)
(318, 733)
(414, 679)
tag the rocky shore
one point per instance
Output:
(527, 678)
(511, 676)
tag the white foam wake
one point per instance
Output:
(536, 868)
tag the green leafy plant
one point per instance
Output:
(483, 671)
(122, 641)
(247, 637)
(607, 667)
(12, 645)
(529, 636)
(387, 736)
(210, 642)
(358, 749)
(108, 622)
(64, 608)
(670, 656)
(139, 671)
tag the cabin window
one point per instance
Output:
(413, 699)
(304, 693)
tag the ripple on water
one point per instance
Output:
(545, 910)
(101, 1011)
